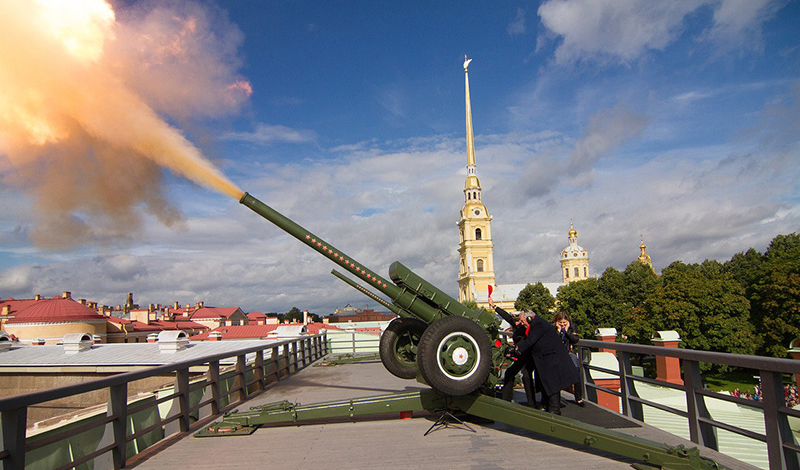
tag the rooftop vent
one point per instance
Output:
(215, 336)
(606, 332)
(5, 341)
(77, 342)
(172, 341)
(290, 331)
(669, 335)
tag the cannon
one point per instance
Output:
(454, 349)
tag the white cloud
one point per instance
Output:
(266, 133)
(623, 31)
(738, 24)
(517, 25)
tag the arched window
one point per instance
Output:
(577, 272)
(469, 196)
(479, 265)
(566, 273)
(585, 271)
(477, 234)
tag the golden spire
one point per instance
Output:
(572, 232)
(472, 178)
(644, 258)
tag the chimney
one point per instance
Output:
(215, 336)
(6, 310)
(37, 342)
(175, 305)
(151, 308)
(82, 301)
(152, 337)
(96, 339)
(37, 297)
(200, 304)
(305, 317)
(66, 295)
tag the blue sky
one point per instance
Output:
(675, 120)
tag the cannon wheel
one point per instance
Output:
(398, 347)
(455, 356)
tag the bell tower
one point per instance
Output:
(475, 249)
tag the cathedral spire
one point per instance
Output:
(472, 183)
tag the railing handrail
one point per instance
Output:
(32, 398)
(771, 364)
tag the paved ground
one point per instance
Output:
(381, 444)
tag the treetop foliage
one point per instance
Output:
(748, 305)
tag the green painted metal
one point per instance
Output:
(410, 294)
(349, 359)
(561, 427)
(483, 406)
(393, 308)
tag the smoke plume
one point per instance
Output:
(85, 98)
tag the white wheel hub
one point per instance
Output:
(460, 356)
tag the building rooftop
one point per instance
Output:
(122, 354)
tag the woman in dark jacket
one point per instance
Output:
(551, 361)
(569, 337)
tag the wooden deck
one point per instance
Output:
(390, 443)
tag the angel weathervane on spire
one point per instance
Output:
(466, 62)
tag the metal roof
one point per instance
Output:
(121, 354)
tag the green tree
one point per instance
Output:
(775, 296)
(582, 300)
(705, 305)
(294, 314)
(471, 304)
(537, 298)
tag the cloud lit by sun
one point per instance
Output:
(86, 94)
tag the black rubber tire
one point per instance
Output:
(398, 346)
(447, 342)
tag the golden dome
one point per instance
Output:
(572, 232)
(472, 182)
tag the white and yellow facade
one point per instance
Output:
(475, 248)
(574, 259)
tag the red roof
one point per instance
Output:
(213, 312)
(17, 306)
(256, 315)
(257, 331)
(158, 325)
(56, 309)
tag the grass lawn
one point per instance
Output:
(727, 382)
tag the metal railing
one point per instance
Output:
(244, 378)
(781, 448)
(353, 342)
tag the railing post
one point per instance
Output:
(240, 381)
(275, 360)
(182, 388)
(213, 380)
(699, 432)
(353, 337)
(631, 409)
(14, 422)
(294, 357)
(258, 371)
(118, 408)
(303, 343)
(287, 359)
(775, 423)
(583, 360)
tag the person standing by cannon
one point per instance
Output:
(552, 365)
(569, 337)
(522, 364)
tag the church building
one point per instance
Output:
(476, 250)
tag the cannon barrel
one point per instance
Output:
(454, 348)
(412, 293)
(396, 310)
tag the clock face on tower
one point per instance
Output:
(477, 212)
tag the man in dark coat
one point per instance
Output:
(554, 368)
